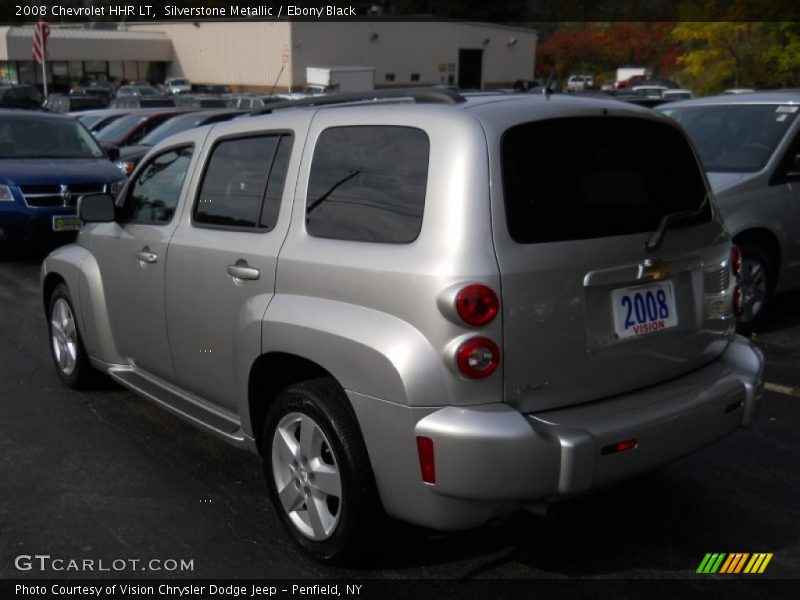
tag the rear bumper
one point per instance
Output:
(490, 459)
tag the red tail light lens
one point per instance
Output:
(736, 262)
(618, 447)
(737, 301)
(478, 357)
(426, 459)
(477, 304)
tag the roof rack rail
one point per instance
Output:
(426, 95)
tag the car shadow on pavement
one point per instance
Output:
(782, 313)
(658, 525)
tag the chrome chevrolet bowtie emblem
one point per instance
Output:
(65, 195)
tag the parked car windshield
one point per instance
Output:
(605, 186)
(23, 137)
(119, 128)
(735, 138)
(175, 125)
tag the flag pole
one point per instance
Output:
(44, 71)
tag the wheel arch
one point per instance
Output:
(769, 242)
(49, 284)
(269, 374)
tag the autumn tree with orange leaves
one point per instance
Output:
(600, 48)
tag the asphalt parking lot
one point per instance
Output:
(107, 475)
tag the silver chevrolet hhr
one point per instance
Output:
(438, 307)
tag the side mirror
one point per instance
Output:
(113, 153)
(96, 208)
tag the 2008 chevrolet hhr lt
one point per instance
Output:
(435, 305)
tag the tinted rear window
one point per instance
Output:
(591, 177)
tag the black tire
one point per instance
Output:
(78, 373)
(758, 285)
(357, 509)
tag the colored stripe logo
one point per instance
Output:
(734, 563)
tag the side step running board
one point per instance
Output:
(197, 411)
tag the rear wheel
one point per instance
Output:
(66, 346)
(318, 472)
(757, 284)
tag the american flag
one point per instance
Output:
(41, 31)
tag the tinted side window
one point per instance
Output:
(243, 183)
(154, 195)
(367, 184)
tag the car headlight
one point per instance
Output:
(5, 194)
(115, 188)
(126, 166)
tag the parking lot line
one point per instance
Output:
(786, 390)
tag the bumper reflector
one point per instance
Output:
(426, 461)
(618, 447)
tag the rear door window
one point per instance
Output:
(592, 177)
(243, 183)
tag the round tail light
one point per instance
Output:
(477, 304)
(736, 262)
(478, 357)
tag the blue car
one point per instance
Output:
(47, 162)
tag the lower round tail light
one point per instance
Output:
(478, 357)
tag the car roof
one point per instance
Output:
(486, 107)
(11, 113)
(776, 97)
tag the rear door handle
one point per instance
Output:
(146, 256)
(239, 271)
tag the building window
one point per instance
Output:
(390, 77)
(75, 70)
(27, 72)
(95, 66)
(415, 77)
(115, 70)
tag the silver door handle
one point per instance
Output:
(147, 256)
(242, 272)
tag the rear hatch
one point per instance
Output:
(589, 311)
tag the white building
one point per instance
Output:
(257, 55)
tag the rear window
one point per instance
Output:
(592, 177)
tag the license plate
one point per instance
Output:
(66, 222)
(644, 309)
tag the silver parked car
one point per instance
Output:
(376, 298)
(750, 146)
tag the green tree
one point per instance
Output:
(739, 54)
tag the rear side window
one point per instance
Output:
(243, 183)
(368, 183)
(591, 177)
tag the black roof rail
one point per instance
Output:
(426, 95)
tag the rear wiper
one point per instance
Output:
(672, 218)
(331, 189)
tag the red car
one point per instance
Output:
(129, 129)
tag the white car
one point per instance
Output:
(178, 86)
(577, 83)
(673, 95)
